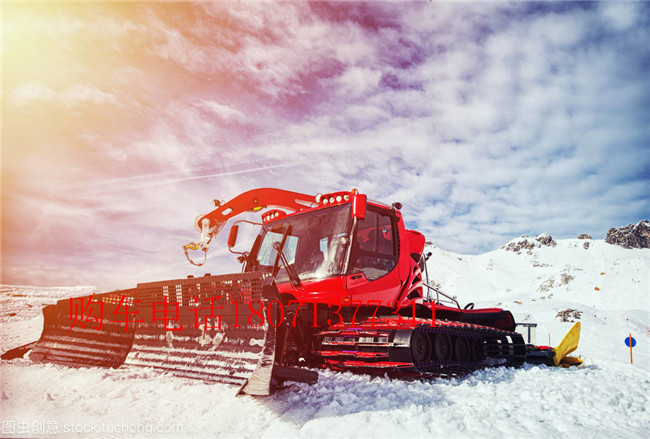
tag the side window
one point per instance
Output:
(385, 243)
(374, 252)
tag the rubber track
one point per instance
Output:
(348, 347)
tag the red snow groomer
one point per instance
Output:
(332, 280)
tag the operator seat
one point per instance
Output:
(309, 260)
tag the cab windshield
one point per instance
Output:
(315, 246)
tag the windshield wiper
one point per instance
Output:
(294, 279)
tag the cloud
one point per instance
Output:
(356, 81)
(621, 16)
(81, 94)
(485, 120)
(225, 112)
(27, 93)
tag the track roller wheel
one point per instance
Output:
(478, 349)
(442, 347)
(420, 347)
(461, 349)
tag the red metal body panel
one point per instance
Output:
(383, 290)
(331, 291)
(416, 242)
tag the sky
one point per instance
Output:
(121, 122)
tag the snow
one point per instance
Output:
(607, 397)
(21, 318)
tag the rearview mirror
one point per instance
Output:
(232, 236)
(359, 206)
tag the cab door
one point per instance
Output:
(373, 276)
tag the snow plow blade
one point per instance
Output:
(200, 328)
(89, 342)
(559, 355)
(568, 344)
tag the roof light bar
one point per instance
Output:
(333, 198)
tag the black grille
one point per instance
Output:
(242, 287)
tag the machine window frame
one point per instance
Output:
(376, 263)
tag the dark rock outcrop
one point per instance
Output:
(545, 239)
(584, 236)
(522, 244)
(630, 236)
(569, 315)
(527, 243)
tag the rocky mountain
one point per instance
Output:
(527, 243)
(538, 269)
(630, 236)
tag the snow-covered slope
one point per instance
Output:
(21, 318)
(602, 275)
(607, 397)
